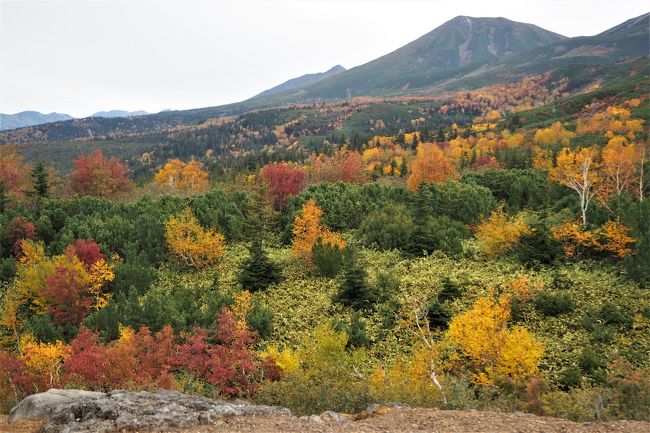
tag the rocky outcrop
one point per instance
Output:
(74, 411)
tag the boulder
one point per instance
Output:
(73, 411)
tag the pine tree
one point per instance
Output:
(40, 181)
(354, 291)
(258, 272)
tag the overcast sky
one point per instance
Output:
(79, 57)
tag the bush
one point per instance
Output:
(465, 202)
(328, 258)
(7, 269)
(438, 234)
(260, 320)
(550, 304)
(387, 228)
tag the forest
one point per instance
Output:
(485, 249)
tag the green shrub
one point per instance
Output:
(7, 269)
(260, 320)
(328, 258)
(550, 304)
(354, 290)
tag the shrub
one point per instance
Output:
(550, 304)
(438, 234)
(328, 258)
(260, 320)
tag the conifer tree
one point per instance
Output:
(39, 176)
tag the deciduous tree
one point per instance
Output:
(97, 175)
(431, 164)
(191, 243)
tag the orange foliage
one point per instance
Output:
(612, 238)
(431, 164)
(13, 171)
(307, 230)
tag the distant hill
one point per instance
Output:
(302, 81)
(463, 53)
(29, 118)
(118, 113)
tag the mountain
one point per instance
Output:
(302, 81)
(118, 113)
(29, 118)
(463, 53)
(456, 47)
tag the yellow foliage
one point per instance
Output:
(612, 237)
(286, 359)
(519, 356)
(494, 351)
(191, 243)
(241, 306)
(498, 233)
(307, 230)
(553, 135)
(43, 360)
(177, 176)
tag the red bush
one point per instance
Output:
(18, 230)
(87, 251)
(283, 180)
(97, 175)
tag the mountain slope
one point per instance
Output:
(454, 48)
(29, 118)
(302, 81)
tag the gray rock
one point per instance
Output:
(72, 411)
(333, 416)
(40, 406)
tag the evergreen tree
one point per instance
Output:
(258, 271)
(403, 169)
(40, 181)
(354, 290)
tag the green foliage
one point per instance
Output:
(260, 320)
(40, 182)
(7, 269)
(323, 380)
(551, 304)
(464, 202)
(258, 272)
(387, 228)
(354, 291)
(327, 258)
(518, 188)
(438, 234)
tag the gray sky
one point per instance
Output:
(79, 57)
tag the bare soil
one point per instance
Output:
(395, 421)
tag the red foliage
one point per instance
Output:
(283, 180)
(344, 166)
(485, 162)
(224, 358)
(88, 362)
(67, 295)
(230, 365)
(13, 379)
(87, 251)
(18, 230)
(97, 175)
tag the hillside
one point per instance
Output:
(29, 118)
(119, 113)
(463, 53)
(302, 81)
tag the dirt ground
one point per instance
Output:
(396, 421)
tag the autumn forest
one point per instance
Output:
(485, 247)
